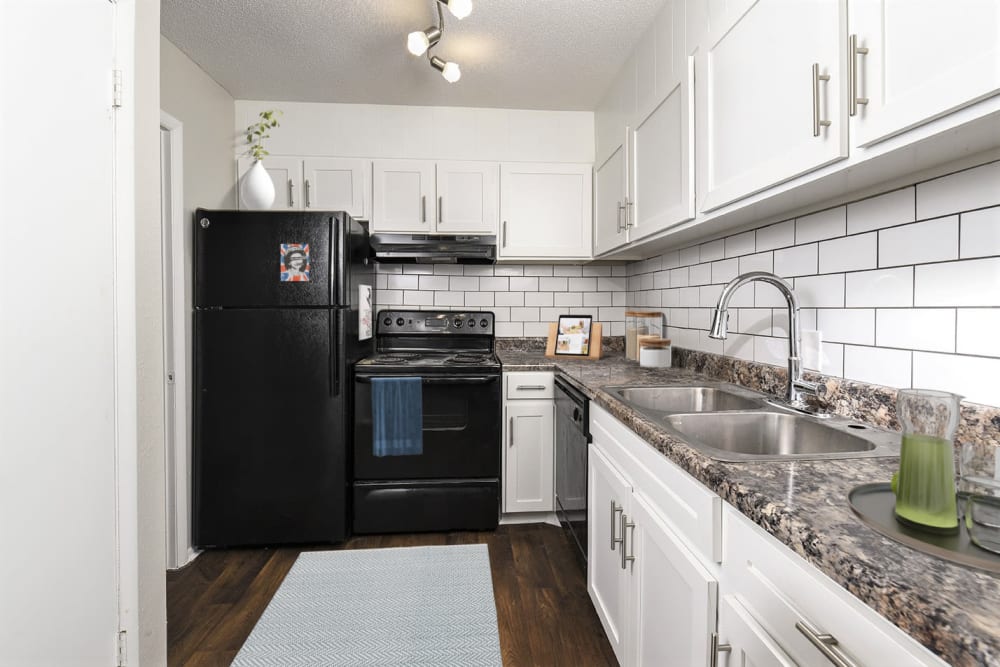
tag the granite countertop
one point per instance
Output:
(949, 608)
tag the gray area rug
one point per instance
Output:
(404, 606)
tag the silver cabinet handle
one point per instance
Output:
(440, 215)
(423, 208)
(503, 235)
(530, 387)
(291, 193)
(630, 559)
(308, 197)
(621, 207)
(628, 213)
(853, 52)
(826, 644)
(615, 509)
(816, 78)
(717, 648)
(510, 433)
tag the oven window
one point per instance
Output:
(461, 432)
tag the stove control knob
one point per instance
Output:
(483, 323)
(459, 322)
(472, 323)
(399, 321)
(387, 321)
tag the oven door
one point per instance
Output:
(461, 431)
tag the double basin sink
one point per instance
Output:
(729, 423)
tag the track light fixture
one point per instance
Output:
(420, 42)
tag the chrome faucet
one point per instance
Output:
(720, 319)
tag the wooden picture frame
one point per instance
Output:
(574, 335)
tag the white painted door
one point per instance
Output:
(403, 196)
(337, 184)
(749, 644)
(609, 202)
(61, 429)
(286, 174)
(925, 58)
(765, 108)
(528, 470)
(672, 597)
(662, 162)
(545, 210)
(468, 195)
(608, 496)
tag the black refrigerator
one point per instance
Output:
(280, 305)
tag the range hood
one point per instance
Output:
(434, 249)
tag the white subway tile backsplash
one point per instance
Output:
(677, 317)
(510, 270)
(388, 268)
(489, 284)
(615, 284)
(831, 359)
(725, 270)
(597, 299)
(699, 274)
(607, 314)
(553, 284)
(536, 329)
(963, 191)
(538, 299)
(850, 253)
(538, 270)
(931, 329)
(670, 260)
(683, 337)
(890, 368)
(381, 281)
(433, 282)
(550, 314)
(762, 261)
(417, 298)
(508, 298)
(567, 299)
(582, 284)
(743, 297)
(688, 256)
(479, 299)
(979, 331)
(826, 291)
(524, 284)
(568, 271)
(822, 225)
(619, 298)
(706, 344)
(671, 298)
(449, 298)
(892, 208)
(920, 242)
(780, 235)
(661, 279)
(709, 252)
(740, 244)
(971, 282)
(502, 313)
(755, 321)
(980, 233)
(882, 288)
(591, 271)
(766, 296)
(854, 325)
(620, 270)
(418, 269)
(389, 297)
(680, 277)
(739, 346)
(524, 314)
(796, 261)
(767, 350)
(509, 329)
(689, 297)
(463, 284)
(448, 270)
(403, 281)
(478, 270)
(975, 378)
(708, 296)
(700, 318)
(646, 281)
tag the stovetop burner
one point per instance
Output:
(393, 358)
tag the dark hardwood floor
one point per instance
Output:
(544, 614)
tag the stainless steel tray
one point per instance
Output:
(874, 504)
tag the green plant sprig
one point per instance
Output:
(257, 133)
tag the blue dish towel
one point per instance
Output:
(397, 416)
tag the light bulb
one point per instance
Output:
(451, 72)
(459, 8)
(417, 43)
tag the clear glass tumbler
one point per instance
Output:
(979, 486)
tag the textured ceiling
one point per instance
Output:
(527, 54)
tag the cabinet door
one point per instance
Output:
(608, 495)
(528, 469)
(749, 644)
(609, 202)
(763, 99)
(925, 58)
(672, 596)
(286, 173)
(337, 184)
(662, 163)
(467, 197)
(403, 196)
(545, 210)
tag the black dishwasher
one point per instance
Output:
(572, 437)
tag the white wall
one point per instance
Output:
(904, 287)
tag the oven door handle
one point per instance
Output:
(486, 379)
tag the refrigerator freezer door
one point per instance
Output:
(240, 259)
(270, 439)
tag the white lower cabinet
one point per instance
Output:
(528, 442)
(742, 642)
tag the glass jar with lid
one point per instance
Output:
(640, 323)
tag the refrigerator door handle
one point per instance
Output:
(335, 324)
(337, 267)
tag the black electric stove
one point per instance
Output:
(453, 482)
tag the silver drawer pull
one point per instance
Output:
(816, 78)
(853, 51)
(718, 648)
(291, 193)
(615, 509)
(531, 387)
(510, 433)
(825, 644)
(630, 559)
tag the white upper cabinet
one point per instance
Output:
(285, 173)
(337, 184)
(403, 196)
(924, 58)
(775, 88)
(545, 210)
(467, 197)
(610, 190)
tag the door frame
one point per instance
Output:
(177, 449)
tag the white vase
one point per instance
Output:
(256, 187)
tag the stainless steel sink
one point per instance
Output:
(744, 436)
(685, 399)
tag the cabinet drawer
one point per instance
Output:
(781, 590)
(528, 385)
(685, 504)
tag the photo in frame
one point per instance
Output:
(573, 335)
